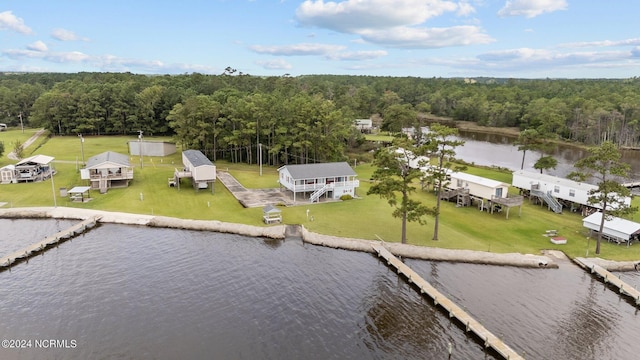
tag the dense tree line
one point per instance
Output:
(308, 118)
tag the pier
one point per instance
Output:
(610, 279)
(470, 324)
(34, 249)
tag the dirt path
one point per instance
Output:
(26, 144)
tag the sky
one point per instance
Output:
(419, 38)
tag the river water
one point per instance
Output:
(498, 150)
(132, 292)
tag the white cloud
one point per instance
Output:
(58, 57)
(527, 58)
(66, 35)
(297, 49)
(393, 23)
(8, 21)
(38, 46)
(277, 64)
(465, 9)
(531, 8)
(357, 55)
(407, 37)
(353, 16)
(107, 62)
(605, 43)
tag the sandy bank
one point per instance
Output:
(279, 232)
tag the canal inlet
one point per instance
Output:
(489, 339)
(34, 249)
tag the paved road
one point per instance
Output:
(26, 144)
(253, 197)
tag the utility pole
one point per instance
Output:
(140, 147)
(260, 156)
(21, 124)
(82, 147)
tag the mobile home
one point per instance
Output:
(478, 186)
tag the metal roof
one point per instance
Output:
(108, 157)
(313, 171)
(477, 180)
(36, 159)
(624, 226)
(196, 158)
(550, 179)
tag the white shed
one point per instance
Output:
(478, 186)
(616, 229)
(199, 167)
(151, 148)
(8, 174)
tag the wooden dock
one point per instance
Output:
(610, 279)
(34, 249)
(470, 324)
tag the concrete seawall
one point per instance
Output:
(280, 231)
(430, 253)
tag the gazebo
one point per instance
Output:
(79, 193)
(271, 214)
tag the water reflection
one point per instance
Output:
(498, 150)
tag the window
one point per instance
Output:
(459, 183)
(556, 189)
(572, 193)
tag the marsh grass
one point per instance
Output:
(367, 216)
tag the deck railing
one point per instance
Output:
(114, 176)
(317, 186)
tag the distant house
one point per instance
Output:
(364, 125)
(34, 168)
(8, 174)
(3, 127)
(330, 179)
(151, 148)
(478, 186)
(616, 229)
(551, 188)
(108, 170)
(414, 161)
(197, 167)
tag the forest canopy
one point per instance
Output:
(309, 118)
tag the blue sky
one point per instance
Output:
(421, 38)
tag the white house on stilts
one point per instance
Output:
(332, 180)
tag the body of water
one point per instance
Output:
(131, 292)
(499, 150)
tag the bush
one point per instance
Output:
(346, 197)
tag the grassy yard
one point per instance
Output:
(367, 217)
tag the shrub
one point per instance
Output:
(346, 197)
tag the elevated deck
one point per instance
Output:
(470, 324)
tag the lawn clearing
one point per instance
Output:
(367, 217)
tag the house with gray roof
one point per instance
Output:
(197, 167)
(332, 180)
(108, 170)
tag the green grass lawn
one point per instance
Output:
(367, 217)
